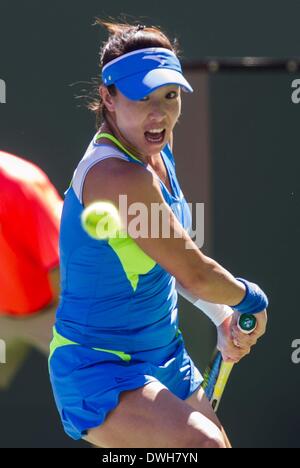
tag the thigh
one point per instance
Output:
(199, 402)
(152, 416)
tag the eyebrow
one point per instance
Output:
(167, 91)
(170, 90)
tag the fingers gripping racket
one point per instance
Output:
(217, 373)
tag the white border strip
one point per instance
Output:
(134, 52)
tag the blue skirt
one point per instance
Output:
(87, 382)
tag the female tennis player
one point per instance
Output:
(30, 212)
(120, 372)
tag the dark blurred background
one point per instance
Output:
(251, 179)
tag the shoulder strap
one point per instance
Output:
(116, 141)
(93, 155)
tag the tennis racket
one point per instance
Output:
(217, 373)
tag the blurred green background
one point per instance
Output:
(254, 128)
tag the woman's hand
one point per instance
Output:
(233, 344)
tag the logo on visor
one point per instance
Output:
(161, 60)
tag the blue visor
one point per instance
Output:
(140, 72)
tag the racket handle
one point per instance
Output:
(247, 323)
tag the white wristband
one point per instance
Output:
(216, 312)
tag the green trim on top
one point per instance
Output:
(114, 140)
(125, 357)
(59, 341)
(134, 260)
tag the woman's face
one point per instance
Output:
(159, 110)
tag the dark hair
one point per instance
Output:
(124, 38)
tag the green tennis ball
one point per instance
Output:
(101, 220)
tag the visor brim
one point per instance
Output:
(137, 86)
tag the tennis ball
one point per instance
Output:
(101, 220)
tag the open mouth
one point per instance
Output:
(155, 137)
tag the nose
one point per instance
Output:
(157, 109)
(157, 114)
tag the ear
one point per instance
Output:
(107, 99)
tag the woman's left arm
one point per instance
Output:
(233, 344)
(217, 313)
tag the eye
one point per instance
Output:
(174, 94)
(170, 95)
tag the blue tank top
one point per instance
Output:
(113, 295)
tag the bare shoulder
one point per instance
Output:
(108, 179)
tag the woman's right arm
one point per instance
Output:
(176, 253)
